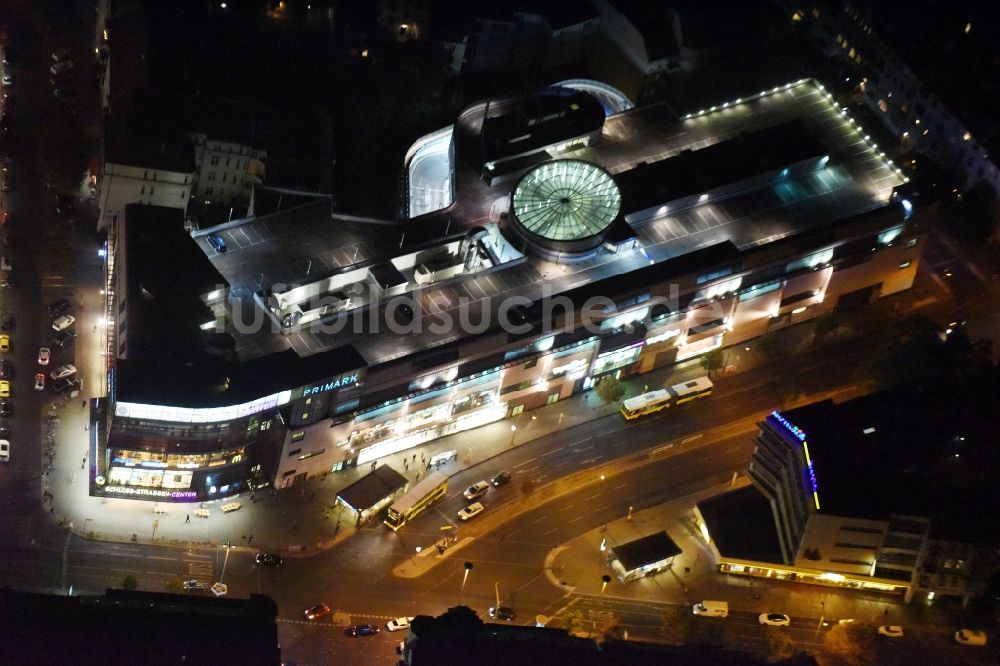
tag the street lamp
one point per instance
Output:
(513, 433)
(605, 579)
(468, 568)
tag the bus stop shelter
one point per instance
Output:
(371, 493)
(643, 557)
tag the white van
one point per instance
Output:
(711, 608)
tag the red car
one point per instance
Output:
(317, 611)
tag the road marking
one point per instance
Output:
(530, 469)
(617, 487)
(663, 448)
(546, 534)
(568, 506)
(692, 438)
(539, 520)
(157, 557)
(550, 453)
(525, 462)
(574, 520)
(587, 499)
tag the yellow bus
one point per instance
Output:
(407, 507)
(660, 399)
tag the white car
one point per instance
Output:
(43, 355)
(63, 371)
(62, 323)
(4, 450)
(194, 585)
(471, 511)
(476, 490)
(399, 624)
(891, 631)
(61, 66)
(8, 80)
(774, 619)
(970, 637)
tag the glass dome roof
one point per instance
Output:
(566, 200)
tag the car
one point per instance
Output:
(217, 242)
(61, 54)
(399, 624)
(4, 388)
(63, 337)
(970, 637)
(8, 323)
(317, 611)
(6, 408)
(57, 308)
(194, 585)
(6, 369)
(890, 631)
(774, 619)
(4, 450)
(8, 80)
(361, 630)
(270, 559)
(66, 385)
(44, 354)
(500, 478)
(63, 371)
(5, 264)
(61, 66)
(4, 343)
(40, 382)
(62, 323)
(471, 511)
(476, 490)
(502, 613)
(4, 431)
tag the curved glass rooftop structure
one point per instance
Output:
(566, 201)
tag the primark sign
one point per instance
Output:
(343, 381)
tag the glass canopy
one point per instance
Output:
(566, 200)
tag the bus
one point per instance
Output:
(655, 401)
(407, 507)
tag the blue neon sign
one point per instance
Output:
(799, 433)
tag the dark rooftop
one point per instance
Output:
(125, 627)
(742, 525)
(929, 451)
(728, 162)
(646, 550)
(654, 21)
(132, 144)
(372, 487)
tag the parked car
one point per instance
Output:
(8, 323)
(4, 388)
(500, 479)
(194, 585)
(61, 66)
(43, 355)
(399, 624)
(61, 54)
(502, 613)
(4, 450)
(6, 408)
(6, 369)
(63, 337)
(66, 385)
(60, 307)
(270, 559)
(891, 631)
(63, 371)
(217, 243)
(8, 80)
(4, 431)
(40, 382)
(471, 511)
(4, 343)
(317, 611)
(476, 490)
(774, 619)
(62, 323)
(361, 630)
(970, 637)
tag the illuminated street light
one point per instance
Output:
(465, 577)
(605, 579)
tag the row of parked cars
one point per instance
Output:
(477, 490)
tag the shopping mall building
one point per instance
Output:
(545, 242)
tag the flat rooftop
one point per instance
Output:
(922, 451)
(295, 244)
(742, 525)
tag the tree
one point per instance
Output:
(712, 361)
(610, 389)
(130, 582)
(771, 347)
(826, 323)
(780, 646)
(848, 645)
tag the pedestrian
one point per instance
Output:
(243, 537)
(414, 457)
(187, 519)
(374, 462)
(249, 539)
(83, 404)
(421, 457)
(51, 510)
(406, 465)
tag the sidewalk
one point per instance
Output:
(303, 520)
